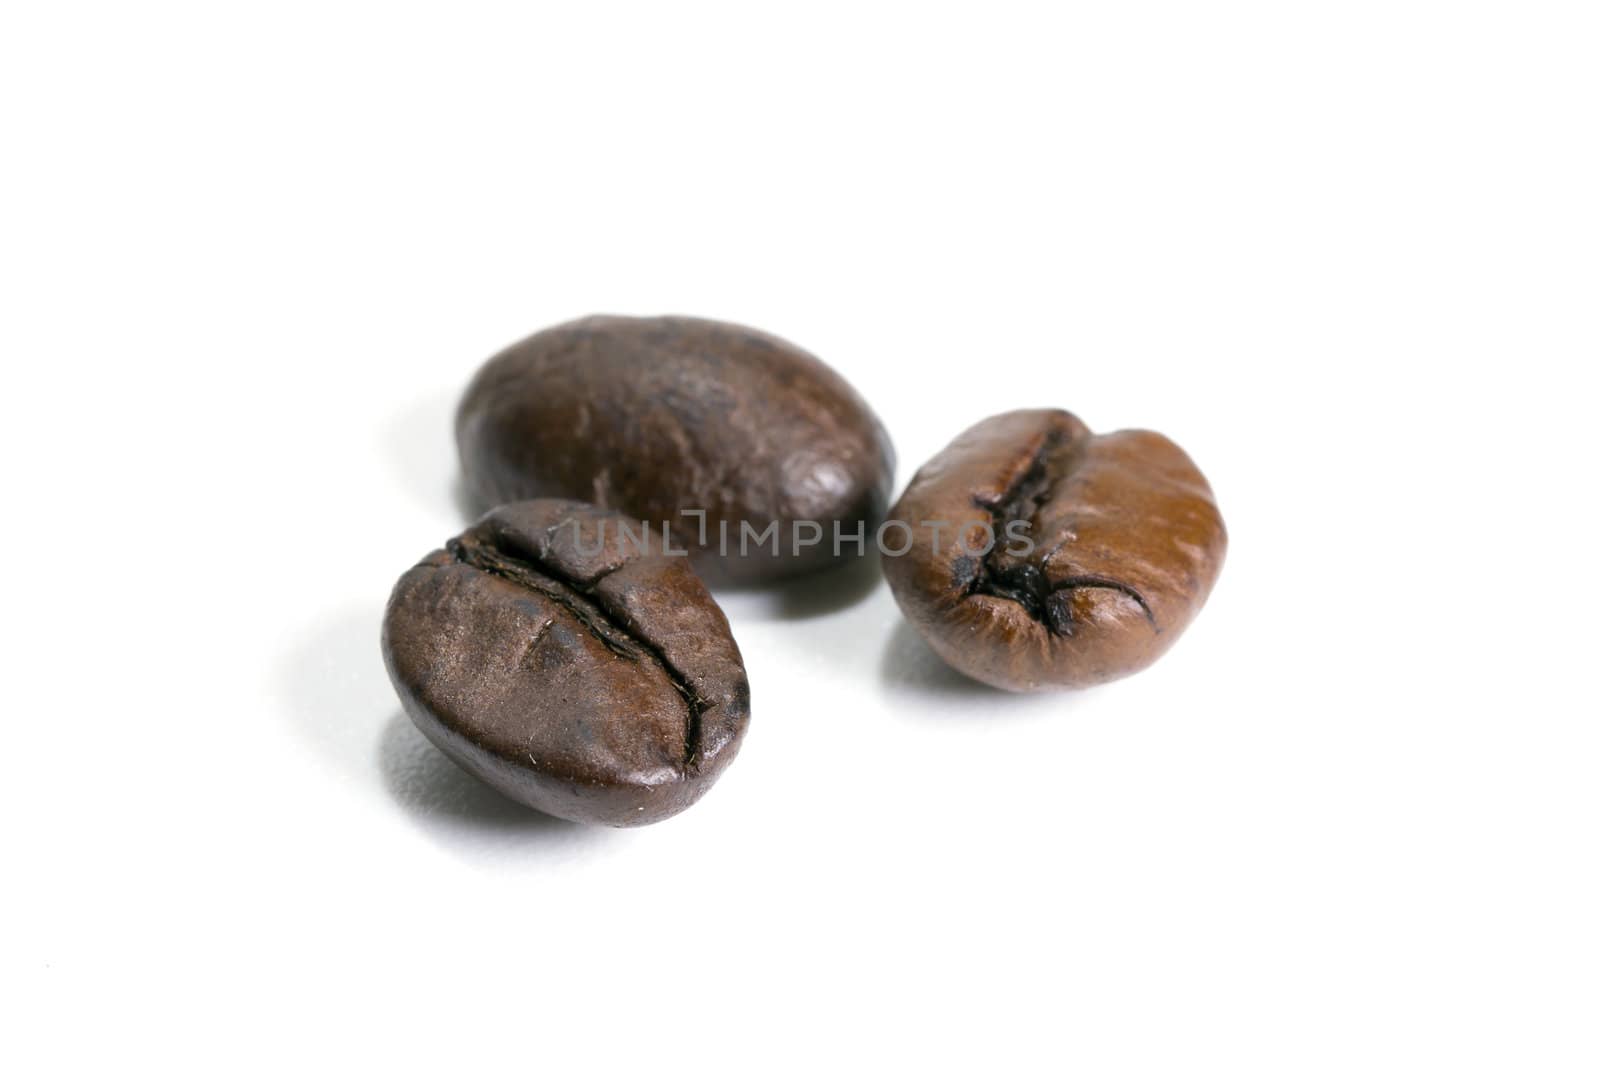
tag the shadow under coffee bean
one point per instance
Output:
(1042, 555)
(566, 667)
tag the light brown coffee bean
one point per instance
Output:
(1067, 558)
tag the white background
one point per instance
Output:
(1344, 253)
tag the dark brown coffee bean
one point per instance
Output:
(583, 677)
(1044, 556)
(660, 417)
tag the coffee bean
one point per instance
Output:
(568, 668)
(1065, 558)
(659, 417)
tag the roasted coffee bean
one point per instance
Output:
(1045, 556)
(568, 668)
(664, 418)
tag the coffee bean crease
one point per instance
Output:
(579, 601)
(1024, 582)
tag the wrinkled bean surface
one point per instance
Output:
(580, 676)
(1067, 558)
